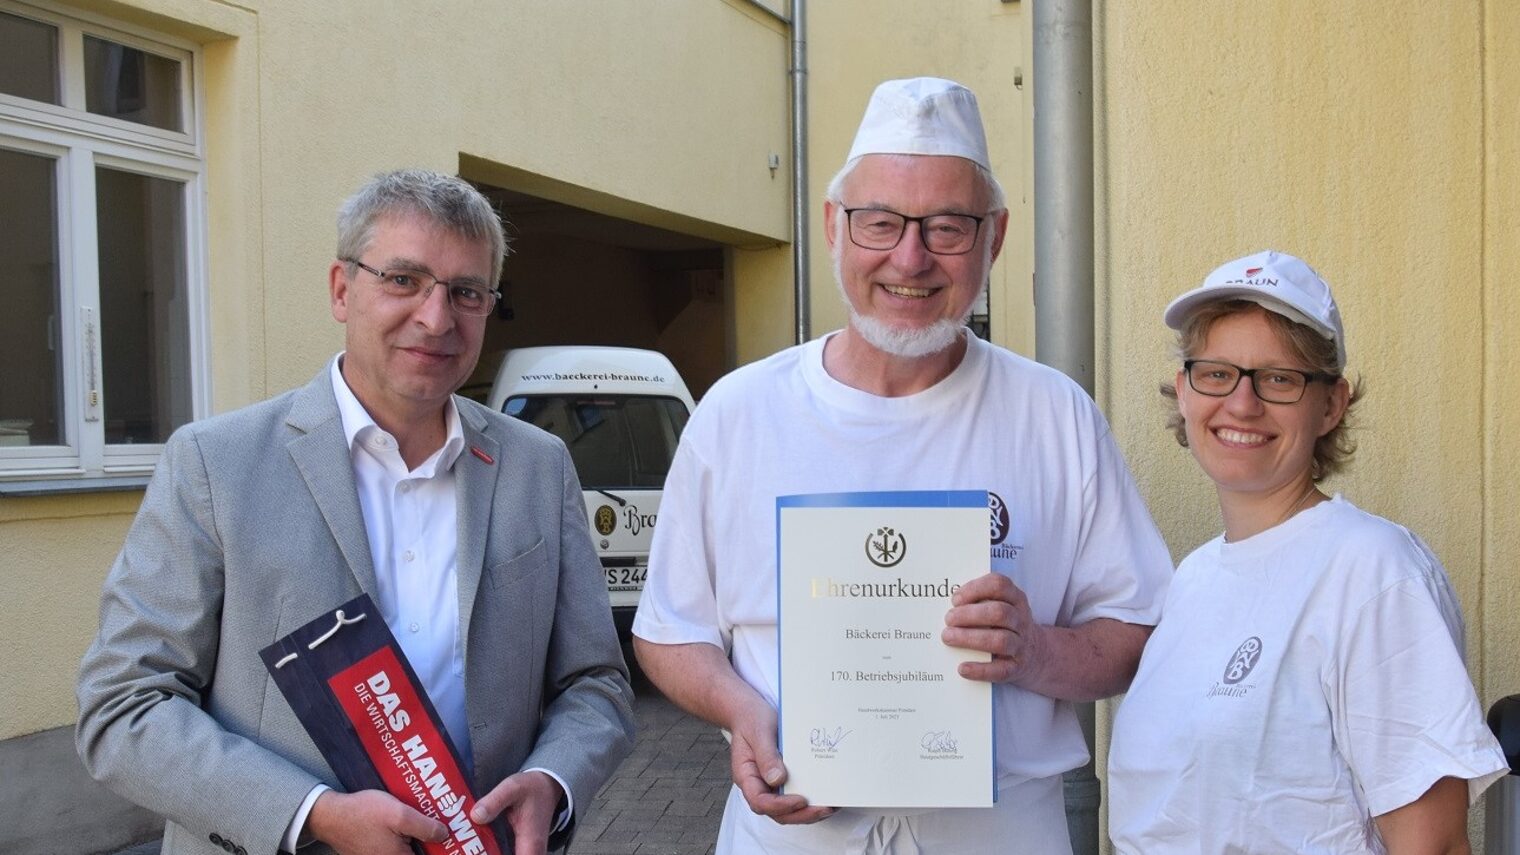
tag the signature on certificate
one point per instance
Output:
(826, 739)
(938, 742)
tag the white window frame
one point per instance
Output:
(79, 142)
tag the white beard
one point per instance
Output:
(910, 342)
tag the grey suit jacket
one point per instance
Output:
(250, 528)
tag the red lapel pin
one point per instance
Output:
(482, 455)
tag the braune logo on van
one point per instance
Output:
(636, 520)
(605, 520)
(1242, 663)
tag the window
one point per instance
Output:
(102, 332)
(615, 441)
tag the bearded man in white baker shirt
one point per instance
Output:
(905, 398)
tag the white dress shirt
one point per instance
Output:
(411, 518)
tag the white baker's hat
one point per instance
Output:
(922, 115)
(1276, 281)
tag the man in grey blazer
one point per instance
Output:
(466, 527)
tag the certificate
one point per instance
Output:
(873, 712)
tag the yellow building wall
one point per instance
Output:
(1498, 618)
(57, 548)
(763, 303)
(1354, 138)
(669, 118)
(663, 113)
(1379, 144)
(853, 46)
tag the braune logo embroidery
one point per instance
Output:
(1253, 280)
(1243, 660)
(1242, 663)
(1001, 527)
(885, 547)
(1000, 521)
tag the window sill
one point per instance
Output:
(60, 486)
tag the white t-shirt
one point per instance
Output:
(1067, 523)
(1301, 682)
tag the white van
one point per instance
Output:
(620, 411)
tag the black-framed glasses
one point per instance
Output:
(942, 234)
(1273, 385)
(468, 296)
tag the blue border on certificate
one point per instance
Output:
(876, 499)
(886, 499)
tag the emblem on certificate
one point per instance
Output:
(873, 712)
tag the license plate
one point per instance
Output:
(625, 578)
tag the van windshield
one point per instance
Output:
(616, 441)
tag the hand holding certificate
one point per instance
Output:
(873, 711)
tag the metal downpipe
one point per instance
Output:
(801, 274)
(1063, 264)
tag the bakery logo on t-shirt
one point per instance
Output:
(1002, 524)
(1242, 662)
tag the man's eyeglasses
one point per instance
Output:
(1273, 385)
(467, 296)
(942, 234)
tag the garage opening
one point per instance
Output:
(575, 276)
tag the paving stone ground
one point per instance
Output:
(667, 797)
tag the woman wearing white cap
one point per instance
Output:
(1304, 691)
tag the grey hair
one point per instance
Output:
(444, 200)
(999, 200)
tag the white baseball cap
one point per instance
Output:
(1276, 281)
(922, 115)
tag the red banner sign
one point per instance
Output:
(409, 752)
